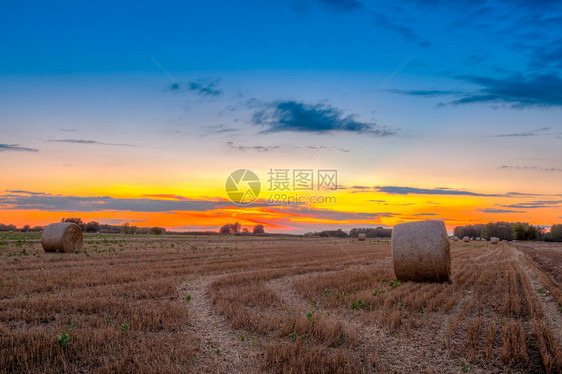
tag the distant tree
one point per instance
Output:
(230, 228)
(379, 232)
(469, 230)
(133, 229)
(556, 233)
(75, 220)
(245, 230)
(125, 229)
(92, 226)
(26, 228)
(258, 229)
(37, 228)
(157, 230)
(339, 233)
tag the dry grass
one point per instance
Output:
(288, 304)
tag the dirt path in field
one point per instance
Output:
(220, 349)
(549, 306)
(376, 343)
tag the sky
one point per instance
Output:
(139, 112)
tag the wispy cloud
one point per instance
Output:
(60, 203)
(518, 167)
(203, 86)
(475, 59)
(500, 211)
(258, 148)
(341, 5)
(319, 118)
(535, 204)
(518, 91)
(27, 192)
(383, 21)
(535, 132)
(396, 190)
(326, 147)
(424, 93)
(15, 147)
(91, 142)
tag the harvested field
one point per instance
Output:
(233, 304)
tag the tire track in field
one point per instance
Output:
(220, 350)
(549, 306)
(382, 346)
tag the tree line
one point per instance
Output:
(93, 227)
(236, 228)
(510, 231)
(379, 232)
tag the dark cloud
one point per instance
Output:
(426, 214)
(93, 142)
(534, 132)
(425, 93)
(544, 90)
(319, 118)
(499, 211)
(41, 201)
(395, 190)
(203, 86)
(15, 147)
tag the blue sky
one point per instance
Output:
(435, 90)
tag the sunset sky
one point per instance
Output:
(138, 111)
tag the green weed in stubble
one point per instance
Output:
(358, 304)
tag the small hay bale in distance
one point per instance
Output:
(420, 251)
(62, 237)
(494, 240)
(455, 238)
(466, 239)
(362, 237)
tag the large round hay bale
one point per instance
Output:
(455, 238)
(420, 251)
(494, 240)
(362, 237)
(466, 239)
(62, 236)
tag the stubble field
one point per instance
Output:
(243, 304)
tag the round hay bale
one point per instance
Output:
(62, 236)
(362, 237)
(455, 238)
(494, 240)
(420, 251)
(466, 239)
